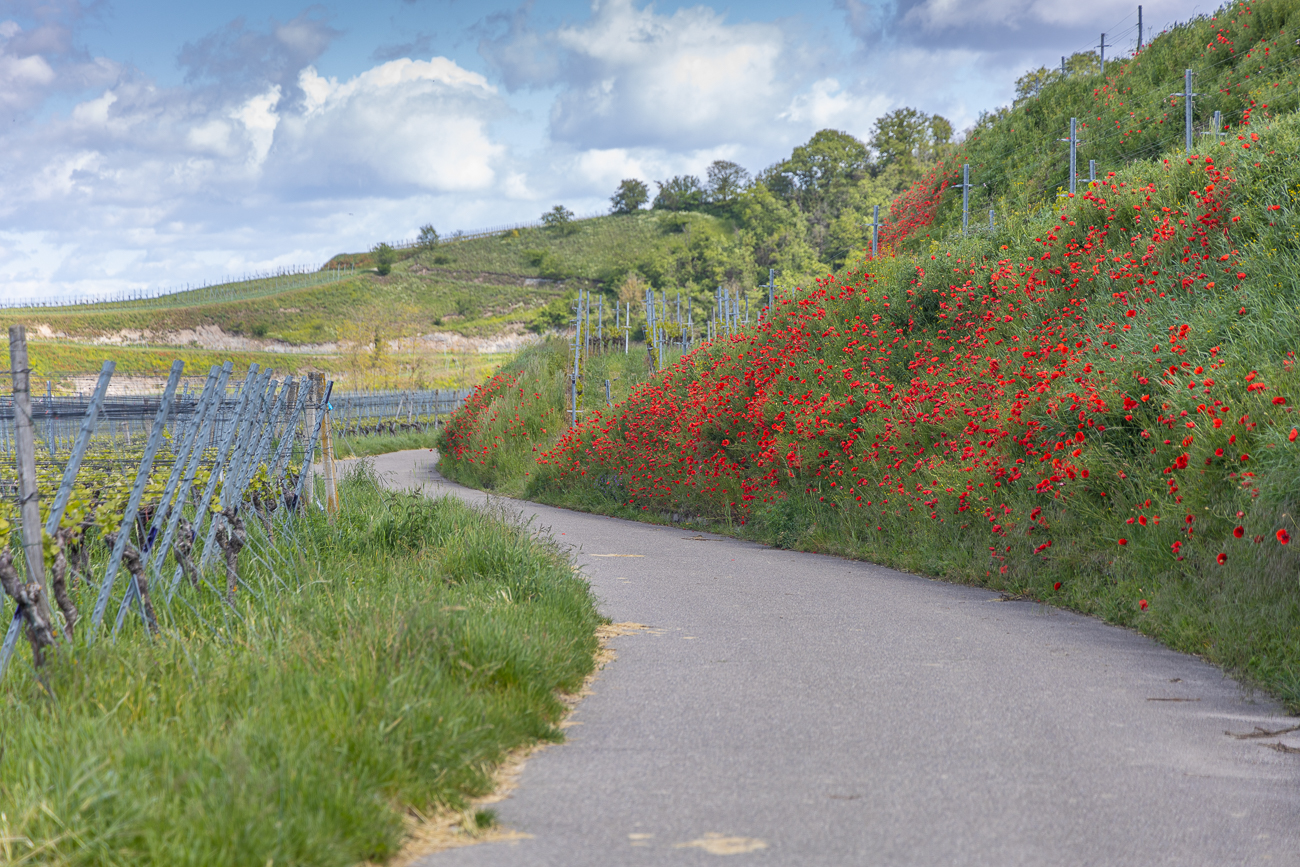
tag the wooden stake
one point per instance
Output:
(29, 502)
(327, 457)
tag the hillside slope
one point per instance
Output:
(1092, 404)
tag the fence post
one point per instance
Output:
(298, 396)
(965, 197)
(1187, 109)
(29, 503)
(307, 481)
(231, 484)
(327, 458)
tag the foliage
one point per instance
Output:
(384, 255)
(559, 219)
(630, 196)
(726, 180)
(428, 237)
(679, 193)
(493, 440)
(908, 136)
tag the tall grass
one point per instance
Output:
(494, 440)
(383, 660)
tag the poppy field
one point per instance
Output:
(1093, 405)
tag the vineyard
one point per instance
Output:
(159, 488)
(239, 658)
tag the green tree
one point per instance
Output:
(899, 135)
(385, 256)
(559, 219)
(428, 238)
(630, 196)
(680, 193)
(829, 156)
(725, 180)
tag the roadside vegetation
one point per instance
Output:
(1092, 404)
(376, 668)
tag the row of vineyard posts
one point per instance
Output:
(174, 523)
(668, 327)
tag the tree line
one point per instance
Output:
(809, 212)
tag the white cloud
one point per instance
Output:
(828, 105)
(633, 78)
(405, 123)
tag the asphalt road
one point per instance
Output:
(792, 708)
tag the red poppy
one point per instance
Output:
(1283, 536)
(1238, 532)
(1123, 541)
(1142, 603)
(1221, 559)
(1279, 401)
(1056, 586)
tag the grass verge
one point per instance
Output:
(385, 660)
(380, 444)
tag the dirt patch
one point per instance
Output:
(446, 341)
(213, 337)
(452, 829)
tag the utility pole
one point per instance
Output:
(1092, 171)
(1187, 107)
(1103, 54)
(1064, 72)
(1139, 28)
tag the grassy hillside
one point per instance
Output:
(1092, 405)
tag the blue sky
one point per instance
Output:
(158, 144)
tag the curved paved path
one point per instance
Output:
(841, 713)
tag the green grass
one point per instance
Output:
(379, 444)
(525, 407)
(384, 660)
(53, 358)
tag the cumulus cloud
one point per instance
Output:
(40, 61)
(630, 77)
(405, 123)
(255, 160)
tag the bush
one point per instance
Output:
(560, 220)
(385, 256)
